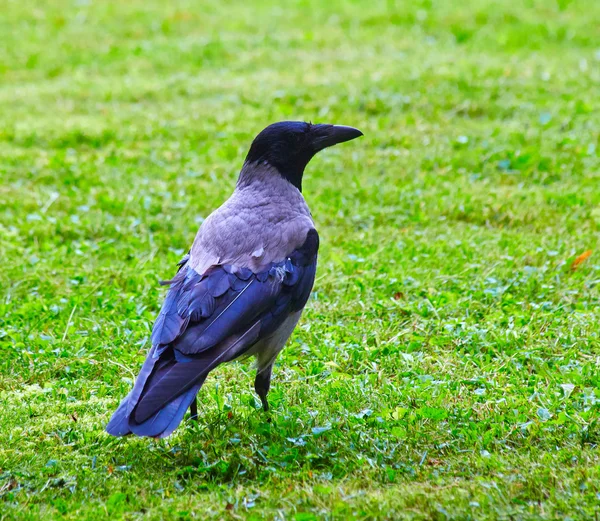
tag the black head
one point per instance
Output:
(290, 145)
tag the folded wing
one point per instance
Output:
(208, 319)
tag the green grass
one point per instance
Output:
(447, 366)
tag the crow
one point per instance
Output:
(242, 287)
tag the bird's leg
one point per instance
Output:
(262, 384)
(194, 410)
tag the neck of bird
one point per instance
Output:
(261, 173)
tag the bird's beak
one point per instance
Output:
(329, 135)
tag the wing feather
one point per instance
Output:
(208, 319)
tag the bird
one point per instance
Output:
(241, 288)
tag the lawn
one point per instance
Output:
(447, 364)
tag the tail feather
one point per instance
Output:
(160, 425)
(178, 377)
(119, 423)
(166, 388)
(166, 420)
(163, 420)
(146, 372)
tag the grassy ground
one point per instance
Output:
(447, 366)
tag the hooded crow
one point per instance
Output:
(241, 288)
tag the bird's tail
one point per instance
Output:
(167, 385)
(160, 425)
(166, 419)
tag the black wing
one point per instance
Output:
(206, 320)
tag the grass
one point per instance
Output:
(447, 366)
